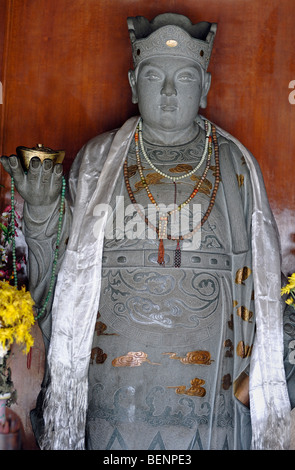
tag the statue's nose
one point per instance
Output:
(169, 88)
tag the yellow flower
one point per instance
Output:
(6, 336)
(290, 286)
(16, 316)
(285, 290)
(291, 280)
(290, 301)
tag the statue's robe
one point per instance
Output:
(172, 345)
(166, 350)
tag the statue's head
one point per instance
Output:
(171, 56)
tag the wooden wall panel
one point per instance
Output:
(3, 22)
(65, 80)
(3, 4)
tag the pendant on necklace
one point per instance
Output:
(177, 256)
(161, 253)
(163, 222)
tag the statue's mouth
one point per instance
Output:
(168, 107)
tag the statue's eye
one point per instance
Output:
(186, 77)
(153, 76)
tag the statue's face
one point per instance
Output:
(169, 92)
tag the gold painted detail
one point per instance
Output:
(241, 389)
(100, 328)
(230, 323)
(229, 346)
(245, 314)
(240, 179)
(98, 355)
(194, 391)
(244, 350)
(151, 178)
(205, 187)
(181, 168)
(192, 357)
(242, 275)
(131, 170)
(132, 359)
(226, 381)
(26, 154)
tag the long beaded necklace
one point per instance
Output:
(163, 219)
(55, 260)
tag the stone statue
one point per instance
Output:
(168, 293)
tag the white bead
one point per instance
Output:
(174, 178)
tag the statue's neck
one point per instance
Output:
(165, 137)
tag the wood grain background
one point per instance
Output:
(64, 64)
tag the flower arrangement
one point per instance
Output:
(290, 289)
(16, 305)
(16, 316)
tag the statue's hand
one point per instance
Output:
(40, 185)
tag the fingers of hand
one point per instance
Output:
(13, 166)
(41, 173)
(42, 181)
(56, 180)
(46, 178)
(34, 172)
(5, 163)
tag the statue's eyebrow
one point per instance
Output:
(150, 66)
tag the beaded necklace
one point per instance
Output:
(196, 188)
(175, 178)
(161, 230)
(163, 217)
(55, 260)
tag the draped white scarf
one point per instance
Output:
(77, 299)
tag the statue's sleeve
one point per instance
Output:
(40, 225)
(40, 231)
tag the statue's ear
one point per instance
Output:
(132, 82)
(205, 90)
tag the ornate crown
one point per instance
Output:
(171, 34)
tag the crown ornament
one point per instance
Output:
(173, 35)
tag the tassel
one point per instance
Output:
(161, 252)
(177, 256)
